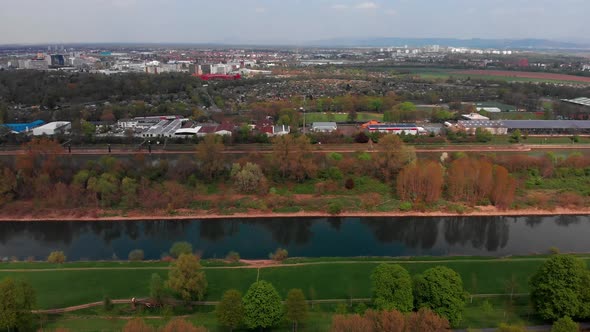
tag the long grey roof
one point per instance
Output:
(546, 124)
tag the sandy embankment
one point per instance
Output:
(106, 215)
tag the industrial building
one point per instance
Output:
(23, 127)
(532, 127)
(324, 127)
(582, 101)
(549, 127)
(53, 128)
(494, 127)
(397, 128)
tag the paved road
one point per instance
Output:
(324, 149)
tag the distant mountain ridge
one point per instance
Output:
(453, 42)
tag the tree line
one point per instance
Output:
(50, 179)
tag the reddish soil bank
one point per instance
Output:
(523, 74)
(97, 215)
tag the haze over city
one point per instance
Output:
(288, 22)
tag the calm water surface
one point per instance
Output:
(310, 237)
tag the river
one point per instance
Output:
(305, 237)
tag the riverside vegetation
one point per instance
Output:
(290, 179)
(396, 296)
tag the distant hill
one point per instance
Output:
(454, 42)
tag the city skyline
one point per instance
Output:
(288, 22)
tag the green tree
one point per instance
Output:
(392, 288)
(440, 289)
(352, 115)
(210, 156)
(483, 135)
(17, 299)
(129, 193)
(296, 307)
(156, 288)
(565, 324)
(248, 178)
(187, 279)
(407, 106)
(179, 248)
(88, 129)
(516, 136)
(57, 257)
(557, 288)
(230, 310)
(262, 306)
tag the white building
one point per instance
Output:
(53, 128)
(324, 127)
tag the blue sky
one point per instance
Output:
(287, 21)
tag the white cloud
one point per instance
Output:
(390, 12)
(339, 6)
(260, 10)
(367, 5)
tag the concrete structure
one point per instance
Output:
(474, 116)
(494, 127)
(549, 127)
(397, 128)
(582, 101)
(324, 127)
(53, 128)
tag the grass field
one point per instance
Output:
(339, 117)
(320, 278)
(444, 74)
(330, 280)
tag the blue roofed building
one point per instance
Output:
(23, 127)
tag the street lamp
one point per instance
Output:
(303, 110)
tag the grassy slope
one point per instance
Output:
(60, 288)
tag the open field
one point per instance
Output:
(531, 75)
(498, 75)
(57, 288)
(325, 278)
(339, 117)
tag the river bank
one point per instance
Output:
(186, 214)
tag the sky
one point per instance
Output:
(287, 21)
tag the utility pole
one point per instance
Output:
(303, 110)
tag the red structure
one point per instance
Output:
(219, 77)
(523, 62)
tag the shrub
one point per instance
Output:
(349, 184)
(405, 206)
(279, 255)
(136, 255)
(565, 324)
(179, 248)
(233, 256)
(334, 208)
(361, 137)
(57, 257)
(107, 304)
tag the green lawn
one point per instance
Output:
(337, 280)
(446, 74)
(311, 117)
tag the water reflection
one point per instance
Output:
(255, 238)
(490, 233)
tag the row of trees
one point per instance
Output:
(439, 289)
(261, 307)
(51, 181)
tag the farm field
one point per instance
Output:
(63, 287)
(530, 75)
(498, 75)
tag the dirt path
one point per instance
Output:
(92, 215)
(261, 264)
